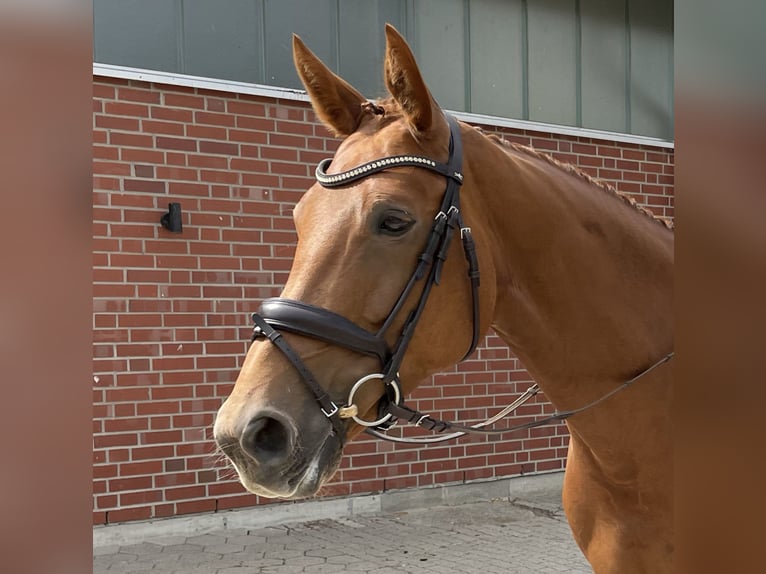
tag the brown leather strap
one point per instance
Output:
(329, 408)
(436, 425)
(304, 319)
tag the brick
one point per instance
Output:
(208, 161)
(117, 123)
(105, 441)
(246, 108)
(152, 452)
(544, 144)
(133, 95)
(176, 143)
(127, 394)
(295, 128)
(283, 154)
(103, 91)
(633, 176)
(183, 101)
(252, 165)
(105, 152)
(607, 151)
(187, 188)
(140, 469)
(125, 424)
(124, 109)
(177, 173)
(130, 140)
(215, 104)
(144, 185)
(214, 176)
(171, 114)
(265, 125)
(143, 170)
(160, 127)
(648, 167)
(144, 156)
(584, 149)
(218, 148)
(298, 142)
(107, 501)
(654, 200)
(592, 161)
(298, 183)
(214, 119)
(206, 132)
(609, 174)
(634, 154)
(143, 497)
(629, 165)
(176, 261)
(665, 179)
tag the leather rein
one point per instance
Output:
(280, 314)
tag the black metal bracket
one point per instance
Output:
(172, 219)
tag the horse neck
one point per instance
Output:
(584, 280)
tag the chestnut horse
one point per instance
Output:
(575, 278)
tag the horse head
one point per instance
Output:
(352, 292)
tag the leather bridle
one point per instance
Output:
(281, 314)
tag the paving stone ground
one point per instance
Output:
(501, 536)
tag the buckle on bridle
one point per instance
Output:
(331, 413)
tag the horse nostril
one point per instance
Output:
(267, 440)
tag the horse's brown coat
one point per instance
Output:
(577, 282)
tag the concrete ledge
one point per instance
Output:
(392, 501)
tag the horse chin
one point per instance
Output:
(303, 479)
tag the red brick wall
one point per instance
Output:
(171, 312)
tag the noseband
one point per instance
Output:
(280, 314)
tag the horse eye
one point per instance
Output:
(394, 224)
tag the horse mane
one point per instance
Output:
(579, 174)
(388, 110)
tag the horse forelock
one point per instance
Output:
(579, 174)
(383, 112)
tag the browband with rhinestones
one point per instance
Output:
(346, 177)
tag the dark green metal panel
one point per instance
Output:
(651, 67)
(552, 46)
(223, 43)
(440, 44)
(138, 33)
(362, 42)
(315, 21)
(497, 45)
(603, 64)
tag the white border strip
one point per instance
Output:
(171, 78)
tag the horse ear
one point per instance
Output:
(335, 101)
(406, 85)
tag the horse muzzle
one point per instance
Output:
(274, 458)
